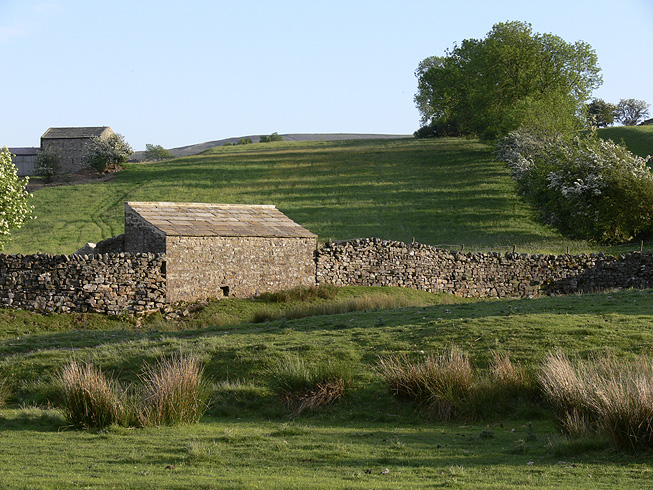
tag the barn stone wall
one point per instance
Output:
(71, 152)
(103, 283)
(374, 262)
(140, 235)
(209, 267)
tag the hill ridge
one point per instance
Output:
(184, 151)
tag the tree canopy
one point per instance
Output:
(601, 113)
(631, 111)
(512, 78)
(156, 152)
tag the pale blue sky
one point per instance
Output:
(177, 72)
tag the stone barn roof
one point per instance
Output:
(75, 133)
(206, 219)
(24, 151)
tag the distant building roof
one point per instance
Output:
(72, 133)
(234, 220)
(24, 151)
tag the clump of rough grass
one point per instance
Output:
(302, 293)
(5, 391)
(173, 392)
(606, 395)
(90, 399)
(303, 387)
(335, 307)
(501, 389)
(623, 401)
(507, 376)
(442, 383)
(566, 387)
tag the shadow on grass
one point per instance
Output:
(624, 302)
(32, 419)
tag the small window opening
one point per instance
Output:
(225, 291)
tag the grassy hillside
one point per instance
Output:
(446, 192)
(639, 139)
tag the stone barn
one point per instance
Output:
(71, 143)
(217, 250)
(24, 159)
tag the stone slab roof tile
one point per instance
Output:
(71, 133)
(206, 219)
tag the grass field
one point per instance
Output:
(448, 192)
(639, 139)
(440, 192)
(248, 439)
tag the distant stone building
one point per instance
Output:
(24, 159)
(216, 250)
(71, 143)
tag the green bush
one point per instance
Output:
(47, 164)
(156, 153)
(15, 208)
(304, 387)
(173, 392)
(90, 399)
(587, 187)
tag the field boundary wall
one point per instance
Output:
(115, 283)
(375, 262)
(101, 283)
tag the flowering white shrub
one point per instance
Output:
(105, 154)
(15, 208)
(586, 187)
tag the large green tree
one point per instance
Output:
(631, 111)
(601, 113)
(514, 77)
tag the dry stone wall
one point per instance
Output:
(119, 282)
(102, 283)
(374, 262)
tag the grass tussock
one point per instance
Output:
(375, 301)
(502, 389)
(605, 395)
(506, 375)
(442, 383)
(173, 392)
(302, 293)
(5, 391)
(449, 387)
(302, 387)
(90, 399)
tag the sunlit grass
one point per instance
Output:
(448, 192)
(249, 429)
